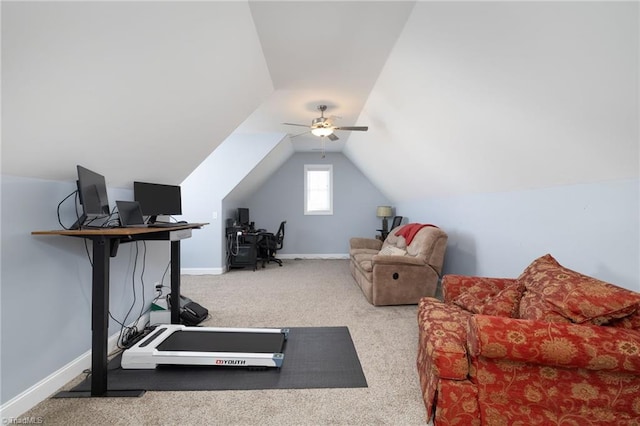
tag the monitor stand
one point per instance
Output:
(78, 223)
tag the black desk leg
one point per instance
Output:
(100, 326)
(175, 282)
(99, 317)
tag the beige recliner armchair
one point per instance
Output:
(394, 272)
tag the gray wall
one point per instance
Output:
(281, 197)
(46, 283)
(590, 228)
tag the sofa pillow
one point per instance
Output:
(505, 303)
(575, 296)
(534, 307)
(631, 322)
(468, 302)
(392, 251)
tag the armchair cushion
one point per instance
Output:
(575, 296)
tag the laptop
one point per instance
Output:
(130, 214)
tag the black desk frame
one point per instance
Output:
(105, 245)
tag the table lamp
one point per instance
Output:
(384, 212)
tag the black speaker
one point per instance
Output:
(193, 314)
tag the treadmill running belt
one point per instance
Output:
(196, 341)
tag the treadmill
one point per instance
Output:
(176, 344)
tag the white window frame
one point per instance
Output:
(315, 168)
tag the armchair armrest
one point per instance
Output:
(454, 285)
(565, 345)
(365, 243)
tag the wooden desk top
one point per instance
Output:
(116, 232)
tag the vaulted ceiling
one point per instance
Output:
(459, 97)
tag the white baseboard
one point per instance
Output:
(314, 256)
(202, 271)
(220, 271)
(46, 387)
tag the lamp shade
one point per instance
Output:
(384, 211)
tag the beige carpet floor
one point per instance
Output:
(302, 293)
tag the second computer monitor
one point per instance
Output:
(92, 191)
(157, 199)
(243, 216)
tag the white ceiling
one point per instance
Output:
(322, 53)
(460, 97)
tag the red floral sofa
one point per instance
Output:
(552, 347)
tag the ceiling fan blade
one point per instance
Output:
(360, 128)
(333, 137)
(293, 124)
(299, 134)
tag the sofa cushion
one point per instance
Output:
(505, 303)
(392, 251)
(395, 241)
(575, 296)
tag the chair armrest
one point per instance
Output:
(454, 285)
(367, 243)
(564, 345)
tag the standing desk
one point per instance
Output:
(105, 245)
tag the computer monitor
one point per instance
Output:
(92, 192)
(243, 216)
(157, 199)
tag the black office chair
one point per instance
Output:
(270, 243)
(397, 220)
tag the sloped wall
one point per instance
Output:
(514, 126)
(481, 97)
(136, 90)
(220, 176)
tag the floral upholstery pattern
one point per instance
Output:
(457, 403)
(533, 306)
(555, 344)
(442, 345)
(576, 296)
(505, 303)
(480, 287)
(535, 356)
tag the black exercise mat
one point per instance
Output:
(314, 357)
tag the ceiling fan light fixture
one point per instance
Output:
(322, 131)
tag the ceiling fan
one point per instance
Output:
(323, 127)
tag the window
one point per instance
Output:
(318, 189)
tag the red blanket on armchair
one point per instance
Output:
(410, 230)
